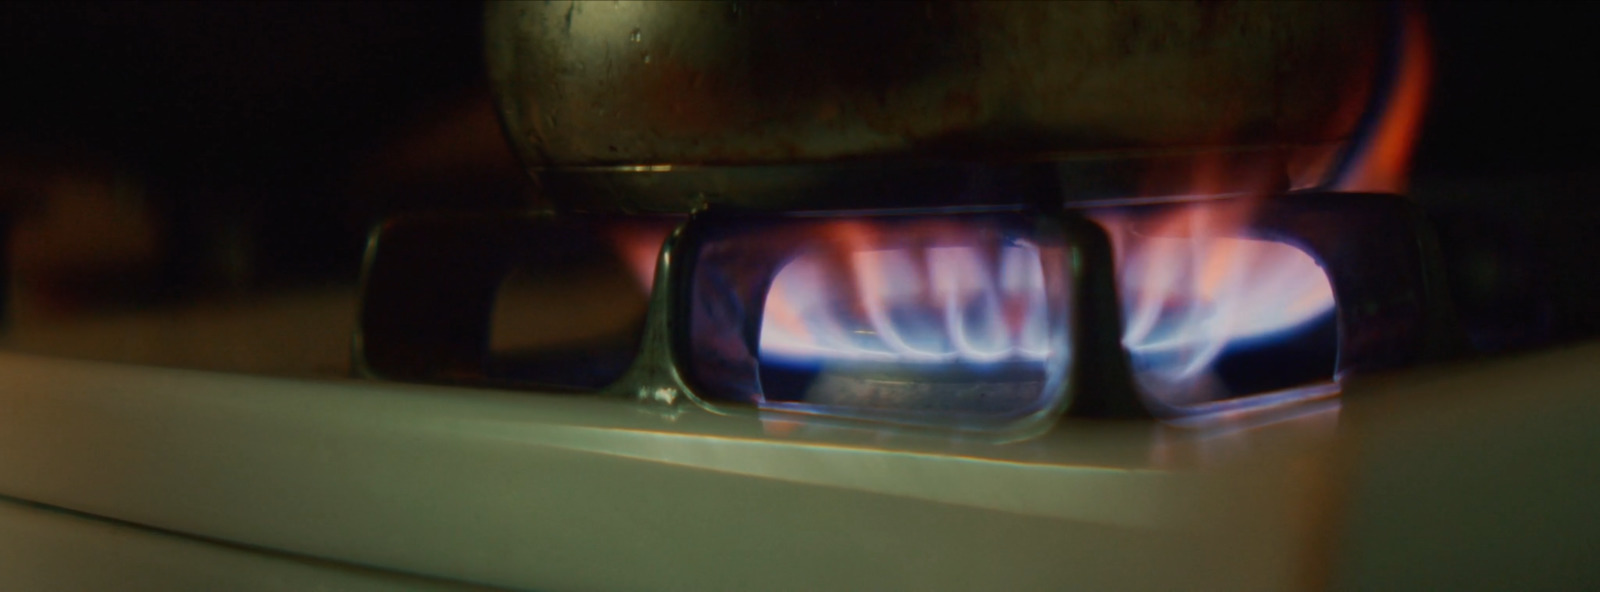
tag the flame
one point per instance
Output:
(638, 244)
(1382, 161)
(944, 293)
(951, 292)
(1193, 282)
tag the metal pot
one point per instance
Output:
(666, 106)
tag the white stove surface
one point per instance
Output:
(1474, 475)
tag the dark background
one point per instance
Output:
(1507, 167)
(296, 124)
(270, 120)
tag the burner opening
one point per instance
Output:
(1212, 310)
(573, 316)
(565, 328)
(921, 320)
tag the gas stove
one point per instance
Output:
(1039, 296)
(1416, 479)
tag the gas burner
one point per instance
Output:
(979, 321)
